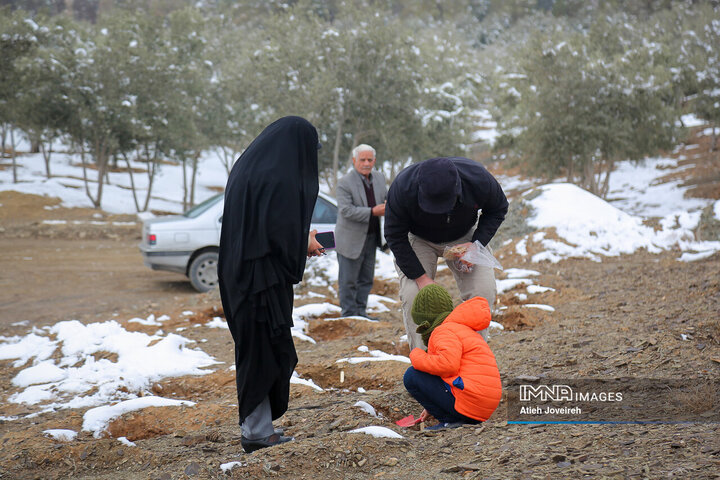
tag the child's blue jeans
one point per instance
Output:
(434, 395)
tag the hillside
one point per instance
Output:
(637, 314)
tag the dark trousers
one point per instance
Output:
(434, 395)
(355, 278)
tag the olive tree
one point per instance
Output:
(140, 53)
(364, 77)
(700, 42)
(18, 42)
(102, 120)
(46, 103)
(587, 100)
(232, 97)
(146, 48)
(189, 114)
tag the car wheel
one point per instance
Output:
(203, 271)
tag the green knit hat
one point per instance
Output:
(430, 307)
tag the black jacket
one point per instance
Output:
(480, 191)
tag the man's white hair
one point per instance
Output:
(363, 147)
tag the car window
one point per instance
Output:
(325, 212)
(200, 208)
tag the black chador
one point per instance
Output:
(269, 200)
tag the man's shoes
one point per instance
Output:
(374, 319)
(445, 425)
(251, 445)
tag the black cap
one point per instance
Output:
(438, 185)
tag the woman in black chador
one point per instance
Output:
(264, 243)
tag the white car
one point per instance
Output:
(188, 243)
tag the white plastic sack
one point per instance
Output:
(465, 257)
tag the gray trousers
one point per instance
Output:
(355, 278)
(480, 282)
(258, 424)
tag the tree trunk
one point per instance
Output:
(605, 182)
(571, 171)
(35, 144)
(185, 185)
(589, 179)
(397, 167)
(393, 166)
(228, 158)
(713, 145)
(12, 155)
(332, 181)
(193, 177)
(151, 171)
(46, 152)
(132, 182)
(102, 161)
(4, 136)
(84, 168)
(336, 148)
(327, 176)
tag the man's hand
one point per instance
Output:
(314, 247)
(455, 254)
(460, 249)
(378, 210)
(423, 280)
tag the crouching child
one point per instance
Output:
(457, 380)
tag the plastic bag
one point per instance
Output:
(465, 257)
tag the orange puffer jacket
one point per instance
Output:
(460, 356)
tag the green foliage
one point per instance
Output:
(47, 107)
(18, 41)
(701, 44)
(590, 99)
(188, 82)
(574, 86)
(363, 77)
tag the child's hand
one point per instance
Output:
(423, 415)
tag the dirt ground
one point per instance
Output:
(625, 316)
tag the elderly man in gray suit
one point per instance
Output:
(361, 195)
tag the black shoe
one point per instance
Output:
(374, 319)
(251, 445)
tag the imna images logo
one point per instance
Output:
(560, 393)
(613, 400)
(545, 393)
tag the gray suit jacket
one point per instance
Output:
(354, 213)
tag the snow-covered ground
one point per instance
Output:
(590, 227)
(67, 184)
(62, 370)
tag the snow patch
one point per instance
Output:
(96, 420)
(377, 432)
